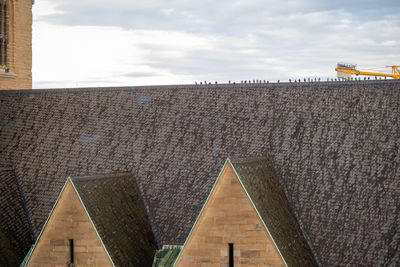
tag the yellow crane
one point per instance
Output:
(346, 70)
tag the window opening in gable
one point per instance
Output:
(71, 253)
(230, 254)
(4, 34)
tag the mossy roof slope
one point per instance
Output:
(166, 257)
(263, 187)
(115, 206)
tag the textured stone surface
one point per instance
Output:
(20, 47)
(229, 217)
(69, 220)
(334, 148)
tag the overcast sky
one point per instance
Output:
(81, 43)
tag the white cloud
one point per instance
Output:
(93, 43)
(71, 56)
(392, 43)
(46, 8)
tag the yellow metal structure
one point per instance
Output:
(351, 69)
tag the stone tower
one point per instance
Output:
(16, 44)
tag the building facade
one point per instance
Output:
(16, 44)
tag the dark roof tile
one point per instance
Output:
(263, 187)
(334, 148)
(14, 224)
(116, 208)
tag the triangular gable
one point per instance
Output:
(229, 216)
(68, 220)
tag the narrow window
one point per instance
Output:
(3, 33)
(230, 254)
(71, 250)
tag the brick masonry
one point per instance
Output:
(20, 47)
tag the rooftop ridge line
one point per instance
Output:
(196, 86)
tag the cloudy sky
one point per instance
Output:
(81, 43)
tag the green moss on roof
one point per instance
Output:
(166, 257)
(115, 205)
(264, 189)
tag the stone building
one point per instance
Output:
(96, 221)
(317, 182)
(16, 44)
(246, 221)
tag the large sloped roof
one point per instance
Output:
(264, 190)
(115, 206)
(334, 148)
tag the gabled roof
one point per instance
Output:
(262, 188)
(115, 206)
(334, 148)
(38, 254)
(265, 192)
(14, 226)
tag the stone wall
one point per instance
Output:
(229, 217)
(20, 47)
(69, 221)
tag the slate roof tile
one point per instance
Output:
(8, 255)
(116, 208)
(263, 187)
(14, 225)
(334, 148)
